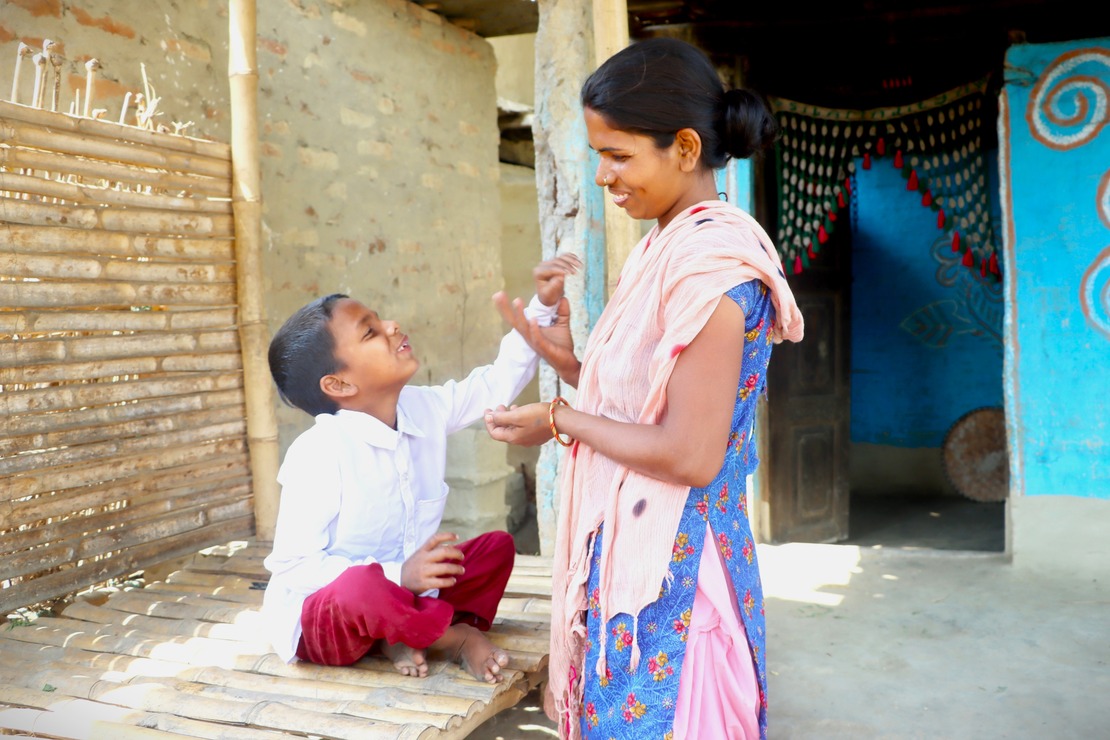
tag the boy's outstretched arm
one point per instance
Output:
(552, 342)
(464, 401)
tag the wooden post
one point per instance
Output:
(570, 204)
(247, 207)
(621, 231)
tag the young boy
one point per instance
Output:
(357, 560)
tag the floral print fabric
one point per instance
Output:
(624, 703)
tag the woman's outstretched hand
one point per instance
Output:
(526, 425)
(553, 343)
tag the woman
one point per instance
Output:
(657, 609)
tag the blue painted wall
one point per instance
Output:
(1057, 170)
(926, 338)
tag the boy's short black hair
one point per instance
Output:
(302, 352)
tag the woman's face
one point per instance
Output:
(644, 180)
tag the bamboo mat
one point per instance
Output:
(182, 658)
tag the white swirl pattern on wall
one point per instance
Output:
(1068, 106)
(1094, 292)
(1067, 109)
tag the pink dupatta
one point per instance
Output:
(668, 288)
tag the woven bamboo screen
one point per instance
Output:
(122, 429)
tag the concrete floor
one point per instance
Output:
(906, 642)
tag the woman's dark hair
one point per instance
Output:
(302, 352)
(658, 86)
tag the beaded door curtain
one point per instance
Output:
(936, 144)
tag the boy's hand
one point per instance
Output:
(554, 343)
(527, 425)
(435, 565)
(550, 277)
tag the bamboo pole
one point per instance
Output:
(114, 172)
(48, 586)
(226, 472)
(85, 195)
(91, 67)
(22, 53)
(262, 437)
(92, 128)
(36, 135)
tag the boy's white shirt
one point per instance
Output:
(355, 492)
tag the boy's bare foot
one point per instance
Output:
(470, 648)
(408, 661)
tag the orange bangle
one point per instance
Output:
(551, 420)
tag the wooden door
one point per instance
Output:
(806, 484)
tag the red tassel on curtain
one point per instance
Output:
(798, 264)
(867, 160)
(994, 262)
(840, 199)
(822, 235)
(956, 241)
(940, 219)
(983, 267)
(880, 147)
(927, 198)
(898, 160)
(912, 184)
(969, 259)
(848, 185)
(810, 252)
(831, 215)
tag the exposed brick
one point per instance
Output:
(104, 23)
(376, 149)
(349, 23)
(360, 76)
(36, 42)
(467, 169)
(311, 11)
(318, 159)
(445, 47)
(103, 89)
(188, 49)
(303, 238)
(349, 117)
(273, 46)
(40, 7)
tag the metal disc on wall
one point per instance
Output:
(975, 456)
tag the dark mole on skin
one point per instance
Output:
(639, 507)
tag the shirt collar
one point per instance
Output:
(368, 429)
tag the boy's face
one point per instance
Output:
(375, 354)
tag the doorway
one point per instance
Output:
(901, 339)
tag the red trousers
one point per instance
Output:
(341, 622)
